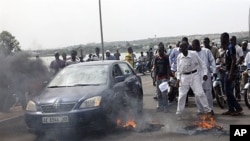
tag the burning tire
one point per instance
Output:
(247, 97)
(220, 98)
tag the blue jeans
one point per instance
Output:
(231, 100)
(162, 96)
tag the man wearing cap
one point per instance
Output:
(109, 56)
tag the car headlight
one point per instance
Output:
(31, 106)
(91, 102)
(248, 72)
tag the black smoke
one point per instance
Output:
(23, 75)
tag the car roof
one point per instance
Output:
(102, 62)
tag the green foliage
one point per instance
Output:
(8, 43)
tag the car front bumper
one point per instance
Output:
(92, 118)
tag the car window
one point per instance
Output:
(84, 75)
(126, 70)
(116, 71)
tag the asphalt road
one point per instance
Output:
(172, 129)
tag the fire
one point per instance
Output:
(130, 123)
(127, 124)
(207, 122)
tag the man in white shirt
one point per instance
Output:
(239, 61)
(97, 57)
(173, 57)
(239, 51)
(244, 74)
(73, 59)
(208, 58)
(189, 70)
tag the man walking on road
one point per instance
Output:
(189, 70)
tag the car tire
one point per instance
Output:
(39, 133)
(140, 102)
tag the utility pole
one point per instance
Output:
(100, 13)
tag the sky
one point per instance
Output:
(49, 24)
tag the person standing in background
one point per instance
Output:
(73, 58)
(150, 58)
(90, 58)
(173, 57)
(234, 107)
(64, 57)
(129, 57)
(239, 61)
(117, 55)
(109, 56)
(57, 64)
(239, 51)
(208, 58)
(169, 50)
(244, 48)
(96, 56)
(213, 49)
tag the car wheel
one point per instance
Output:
(139, 101)
(39, 133)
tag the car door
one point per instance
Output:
(118, 85)
(132, 81)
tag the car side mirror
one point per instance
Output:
(45, 83)
(119, 79)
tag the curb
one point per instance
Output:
(15, 118)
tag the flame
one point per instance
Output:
(130, 123)
(207, 122)
(127, 124)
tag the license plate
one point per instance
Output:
(59, 119)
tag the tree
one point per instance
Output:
(8, 43)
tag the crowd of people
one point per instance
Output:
(191, 64)
(58, 63)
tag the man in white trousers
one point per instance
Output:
(189, 70)
(207, 57)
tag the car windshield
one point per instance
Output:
(81, 76)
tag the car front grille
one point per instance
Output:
(62, 107)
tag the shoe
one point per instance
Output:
(209, 114)
(179, 117)
(212, 112)
(227, 113)
(199, 113)
(165, 110)
(237, 112)
(159, 109)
